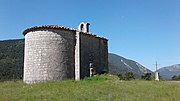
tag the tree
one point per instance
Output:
(146, 76)
(120, 76)
(129, 76)
(176, 77)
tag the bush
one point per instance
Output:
(120, 76)
(176, 77)
(126, 76)
(146, 76)
(129, 76)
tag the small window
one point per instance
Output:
(82, 27)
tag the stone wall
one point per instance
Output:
(49, 55)
(93, 50)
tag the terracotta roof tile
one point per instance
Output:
(57, 27)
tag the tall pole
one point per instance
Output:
(156, 66)
(156, 72)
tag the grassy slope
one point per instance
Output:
(99, 88)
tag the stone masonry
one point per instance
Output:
(58, 53)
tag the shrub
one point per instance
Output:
(176, 77)
(126, 76)
(129, 76)
(120, 76)
(146, 76)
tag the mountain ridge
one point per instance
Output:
(119, 65)
(168, 72)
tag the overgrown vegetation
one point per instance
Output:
(97, 88)
(176, 77)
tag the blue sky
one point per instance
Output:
(142, 30)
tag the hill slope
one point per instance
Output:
(11, 59)
(169, 71)
(118, 64)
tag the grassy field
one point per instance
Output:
(99, 88)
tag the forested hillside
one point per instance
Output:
(11, 59)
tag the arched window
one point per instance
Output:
(82, 27)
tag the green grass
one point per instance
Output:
(99, 88)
